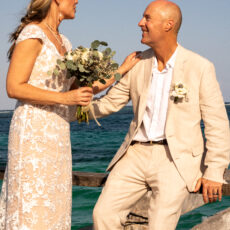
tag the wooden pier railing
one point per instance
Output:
(137, 219)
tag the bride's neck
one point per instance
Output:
(52, 19)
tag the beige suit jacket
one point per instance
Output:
(182, 130)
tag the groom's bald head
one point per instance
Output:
(168, 11)
(160, 23)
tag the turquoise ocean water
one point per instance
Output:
(93, 147)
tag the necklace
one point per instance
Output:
(55, 35)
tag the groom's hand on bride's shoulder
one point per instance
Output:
(130, 61)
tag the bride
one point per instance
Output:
(37, 186)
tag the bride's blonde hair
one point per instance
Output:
(36, 11)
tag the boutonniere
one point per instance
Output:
(179, 92)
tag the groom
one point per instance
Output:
(164, 147)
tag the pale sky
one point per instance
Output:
(205, 30)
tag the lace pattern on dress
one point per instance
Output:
(37, 187)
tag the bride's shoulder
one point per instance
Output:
(31, 31)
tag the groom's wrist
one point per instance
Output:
(214, 174)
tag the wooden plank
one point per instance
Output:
(87, 179)
(90, 179)
(2, 170)
(193, 201)
(87, 228)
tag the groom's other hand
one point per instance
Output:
(211, 190)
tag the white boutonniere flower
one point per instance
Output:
(179, 92)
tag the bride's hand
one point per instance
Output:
(81, 96)
(130, 61)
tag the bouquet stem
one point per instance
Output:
(82, 116)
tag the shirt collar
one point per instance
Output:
(170, 63)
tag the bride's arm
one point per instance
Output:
(21, 66)
(128, 63)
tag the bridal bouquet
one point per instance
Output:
(88, 65)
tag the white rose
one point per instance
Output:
(180, 91)
(180, 95)
(100, 55)
(174, 94)
(85, 55)
(69, 56)
(75, 57)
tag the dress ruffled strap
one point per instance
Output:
(31, 31)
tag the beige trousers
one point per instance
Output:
(143, 166)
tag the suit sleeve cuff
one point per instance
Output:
(214, 174)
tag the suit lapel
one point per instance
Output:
(178, 76)
(149, 64)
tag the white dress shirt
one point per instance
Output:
(154, 119)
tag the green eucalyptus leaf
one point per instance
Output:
(113, 53)
(117, 76)
(62, 66)
(69, 64)
(95, 44)
(81, 68)
(59, 61)
(80, 47)
(107, 51)
(115, 65)
(102, 81)
(56, 71)
(49, 72)
(107, 76)
(104, 43)
(90, 79)
(74, 68)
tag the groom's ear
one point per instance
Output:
(169, 25)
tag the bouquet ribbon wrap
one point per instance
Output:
(89, 109)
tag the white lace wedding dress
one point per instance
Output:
(37, 187)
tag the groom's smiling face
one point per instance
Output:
(152, 25)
